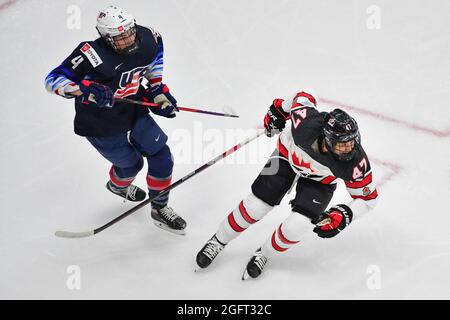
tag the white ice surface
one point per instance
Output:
(239, 54)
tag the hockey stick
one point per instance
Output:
(148, 104)
(69, 234)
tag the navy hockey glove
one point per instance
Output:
(275, 119)
(160, 94)
(333, 221)
(98, 94)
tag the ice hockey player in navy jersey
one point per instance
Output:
(115, 66)
(318, 149)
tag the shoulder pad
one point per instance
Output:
(156, 35)
(303, 99)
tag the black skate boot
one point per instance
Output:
(132, 192)
(255, 266)
(167, 219)
(209, 251)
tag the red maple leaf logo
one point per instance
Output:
(302, 164)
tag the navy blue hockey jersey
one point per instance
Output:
(96, 61)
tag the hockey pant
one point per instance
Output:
(126, 151)
(269, 188)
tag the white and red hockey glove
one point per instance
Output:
(333, 221)
(275, 119)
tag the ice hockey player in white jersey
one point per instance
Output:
(319, 149)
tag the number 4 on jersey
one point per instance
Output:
(76, 61)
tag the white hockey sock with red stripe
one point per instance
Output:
(287, 234)
(249, 211)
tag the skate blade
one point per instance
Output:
(198, 269)
(245, 275)
(165, 227)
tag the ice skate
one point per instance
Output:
(167, 219)
(132, 192)
(255, 266)
(208, 253)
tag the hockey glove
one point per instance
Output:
(160, 94)
(275, 119)
(98, 94)
(333, 221)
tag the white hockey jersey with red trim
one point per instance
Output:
(300, 145)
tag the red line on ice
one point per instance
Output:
(7, 4)
(386, 118)
(395, 170)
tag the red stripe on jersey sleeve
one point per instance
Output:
(328, 180)
(282, 149)
(359, 184)
(371, 196)
(308, 96)
(155, 80)
(303, 94)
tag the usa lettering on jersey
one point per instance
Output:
(130, 81)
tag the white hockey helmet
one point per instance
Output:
(118, 28)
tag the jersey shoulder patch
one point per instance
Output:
(89, 52)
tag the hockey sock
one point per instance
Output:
(159, 175)
(121, 178)
(155, 185)
(249, 211)
(286, 235)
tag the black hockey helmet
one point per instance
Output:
(340, 127)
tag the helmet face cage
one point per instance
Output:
(121, 39)
(341, 128)
(116, 27)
